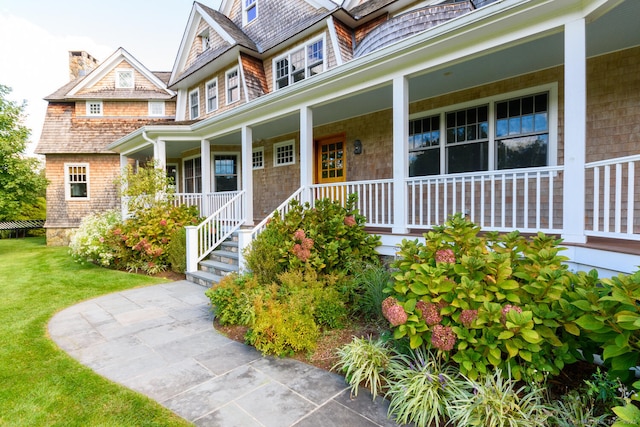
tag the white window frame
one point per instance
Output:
(551, 88)
(195, 177)
(287, 55)
(253, 159)
(68, 181)
(89, 108)
(276, 159)
(207, 97)
(229, 88)
(205, 41)
(152, 111)
(176, 183)
(121, 71)
(195, 91)
(246, 8)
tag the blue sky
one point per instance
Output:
(36, 35)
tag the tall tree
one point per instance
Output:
(22, 183)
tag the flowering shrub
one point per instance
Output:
(88, 241)
(491, 301)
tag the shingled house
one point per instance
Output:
(521, 114)
(101, 103)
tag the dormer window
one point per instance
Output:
(299, 64)
(250, 11)
(124, 79)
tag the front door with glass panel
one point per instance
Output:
(225, 172)
(331, 160)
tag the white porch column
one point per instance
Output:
(160, 154)
(400, 152)
(575, 116)
(205, 162)
(124, 162)
(306, 150)
(247, 173)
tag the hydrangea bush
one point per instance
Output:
(88, 241)
(485, 301)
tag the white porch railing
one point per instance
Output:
(189, 199)
(613, 200)
(375, 198)
(206, 203)
(281, 210)
(205, 237)
(528, 200)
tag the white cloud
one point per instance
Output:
(35, 64)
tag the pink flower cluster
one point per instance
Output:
(443, 338)
(445, 255)
(303, 249)
(468, 316)
(393, 311)
(507, 308)
(430, 312)
(349, 221)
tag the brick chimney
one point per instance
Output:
(80, 64)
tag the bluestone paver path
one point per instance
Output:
(160, 341)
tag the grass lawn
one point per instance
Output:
(40, 385)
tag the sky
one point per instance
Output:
(36, 36)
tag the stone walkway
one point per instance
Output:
(159, 341)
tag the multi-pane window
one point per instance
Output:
(250, 8)
(94, 108)
(467, 140)
(194, 104)
(284, 153)
(233, 88)
(212, 95)
(225, 171)
(501, 133)
(156, 108)
(522, 131)
(124, 79)
(206, 42)
(299, 64)
(77, 177)
(193, 175)
(424, 146)
(258, 158)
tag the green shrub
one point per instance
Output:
(485, 302)
(88, 241)
(177, 251)
(364, 362)
(494, 401)
(574, 410)
(232, 300)
(420, 388)
(369, 284)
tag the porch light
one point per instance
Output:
(357, 147)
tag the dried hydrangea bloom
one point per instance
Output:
(507, 308)
(430, 312)
(393, 311)
(445, 255)
(349, 221)
(307, 243)
(443, 338)
(302, 253)
(468, 316)
(299, 234)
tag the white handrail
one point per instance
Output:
(281, 210)
(205, 237)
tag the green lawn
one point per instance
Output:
(40, 385)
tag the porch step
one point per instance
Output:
(222, 261)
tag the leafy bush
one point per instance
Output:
(328, 237)
(490, 301)
(495, 401)
(140, 242)
(420, 388)
(369, 283)
(88, 241)
(177, 251)
(233, 299)
(364, 361)
(609, 316)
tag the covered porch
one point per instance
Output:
(465, 62)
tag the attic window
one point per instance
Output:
(250, 11)
(206, 42)
(94, 108)
(124, 79)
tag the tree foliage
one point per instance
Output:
(22, 182)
